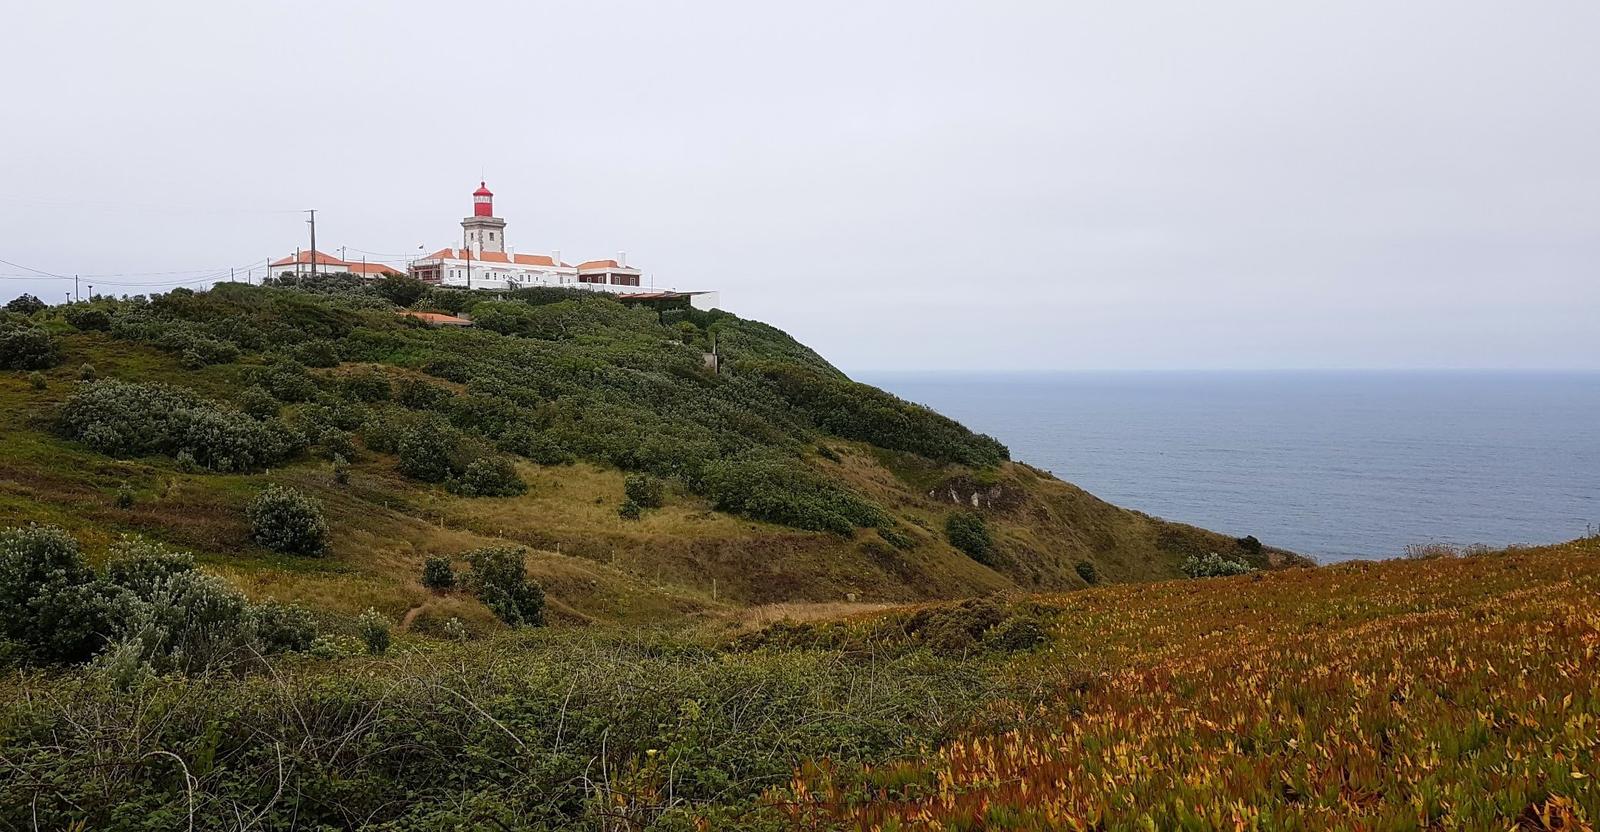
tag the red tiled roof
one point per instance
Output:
(434, 318)
(598, 264)
(307, 257)
(374, 268)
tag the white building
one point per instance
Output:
(485, 261)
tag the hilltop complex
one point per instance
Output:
(485, 261)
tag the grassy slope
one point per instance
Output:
(1452, 693)
(684, 559)
(1440, 694)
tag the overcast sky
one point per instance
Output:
(916, 185)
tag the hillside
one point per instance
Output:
(782, 479)
(1449, 693)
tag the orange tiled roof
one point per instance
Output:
(374, 268)
(307, 258)
(434, 318)
(602, 264)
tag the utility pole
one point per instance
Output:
(74, 288)
(313, 221)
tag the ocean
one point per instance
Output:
(1334, 465)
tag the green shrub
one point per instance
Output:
(287, 381)
(24, 346)
(1087, 572)
(896, 538)
(124, 497)
(420, 395)
(189, 623)
(782, 491)
(438, 574)
(51, 603)
(284, 520)
(427, 451)
(140, 566)
(1214, 565)
(88, 318)
(25, 304)
(374, 630)
(536, 446)
(256, 402)
(643, 489)
(1250, 544)
(401, 290)
(858, 411)
(968, 532)
(490, 476)
(341, 469)
(273, 628)
(37, 381)
(318, 352)
(366, 386)
(499, 578)
(630, 510)
(127, 419)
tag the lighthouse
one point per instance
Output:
(483, 231)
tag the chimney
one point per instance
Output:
(556, 256)
(622, 259)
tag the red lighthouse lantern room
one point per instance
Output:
(482, 201)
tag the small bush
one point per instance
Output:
(24, 346)
(341, 470)
(499, 579)
(318, 353)
(1214, 565)
(455, 630)
(366, 386)
(401, 290)
(25, 304)
(968, 532)
(630, 510)
(893, 536)
(491, 476)
(280, 628)
(86, 372)
(1087, 572)
(50, 602)
(37, 381)
(88, 318)
(374, 631)
(140, 566)
(536, 446)
(1250, 544)
(420, 395)
(124, 496)
(438, 574)
(426, 451)
(643, 489)
(285, 520)
(257, 403)
(287, 381)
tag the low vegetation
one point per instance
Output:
(1447, 693)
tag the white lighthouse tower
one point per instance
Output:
(483, 231)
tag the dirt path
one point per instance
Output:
(410, 616)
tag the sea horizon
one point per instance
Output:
(1334, 464)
